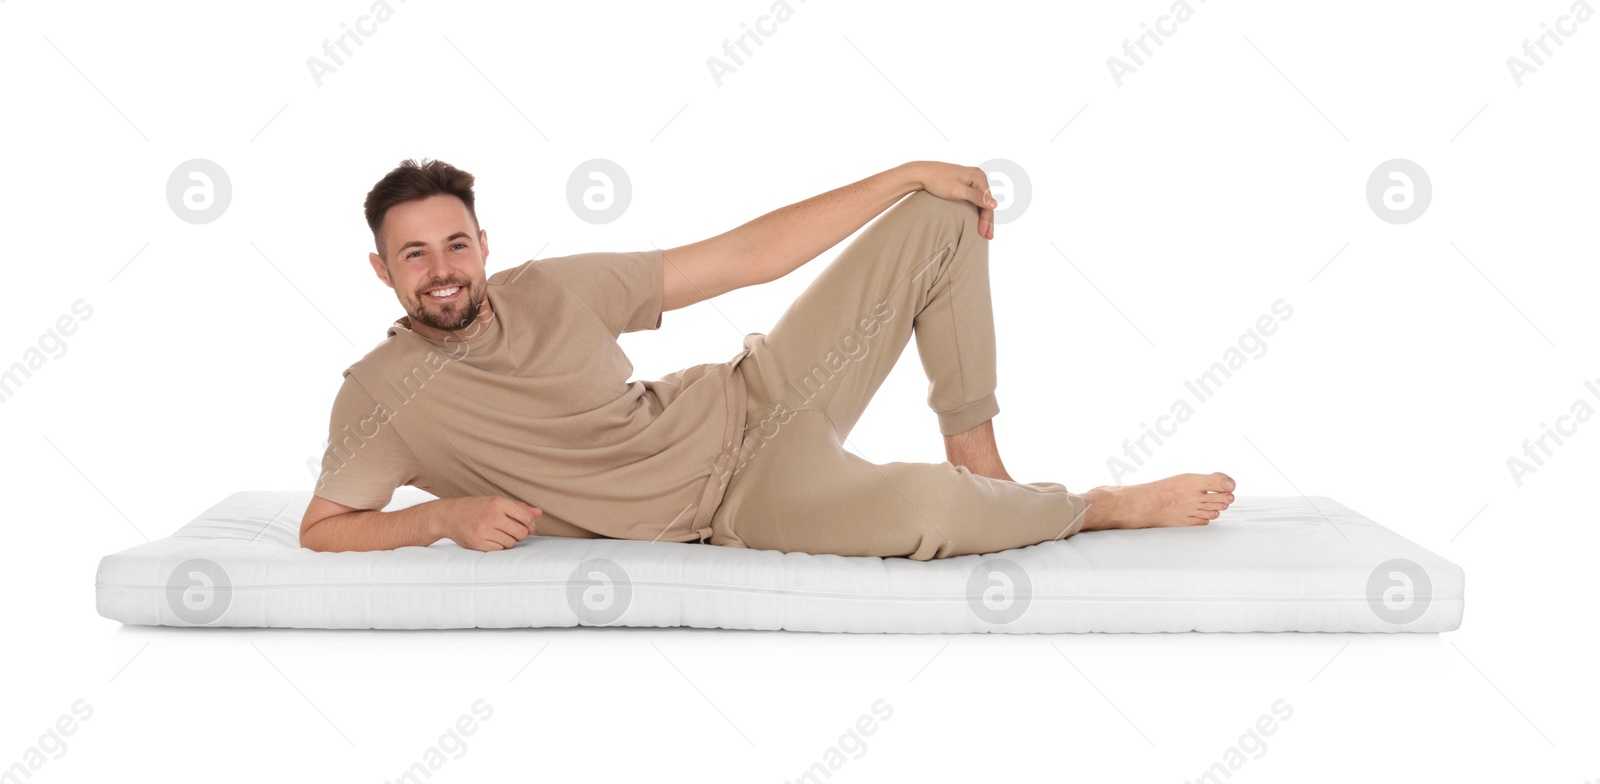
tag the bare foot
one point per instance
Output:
(1184, 499)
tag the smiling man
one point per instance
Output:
(508, 397)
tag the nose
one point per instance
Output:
(436, 274)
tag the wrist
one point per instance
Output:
(431, 520)
(913, 176)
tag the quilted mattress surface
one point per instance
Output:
(1269, 564)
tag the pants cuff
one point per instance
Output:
(968, 416)
(1080, 513)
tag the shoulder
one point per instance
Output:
(398, 349)
(596, 265)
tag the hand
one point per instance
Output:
(487, 522)
(961, 183)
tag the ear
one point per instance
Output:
(379, 267)
(483, 242)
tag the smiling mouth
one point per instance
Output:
(444, 294)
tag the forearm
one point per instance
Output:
(375, 530)
(782, 240)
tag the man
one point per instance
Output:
(508, 397)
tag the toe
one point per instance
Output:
(1220, 482)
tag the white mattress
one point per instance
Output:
(1269, 564)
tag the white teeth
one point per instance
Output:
(442, 293)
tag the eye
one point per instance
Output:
(415, 252)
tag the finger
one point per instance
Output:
(518, 529)
(978, 183)
(520, 512)
(979, 194)
(986, 222)
(526, 514)
(505, 540)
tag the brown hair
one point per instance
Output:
(413, 182)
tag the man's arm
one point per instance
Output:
(329, 526)
(474, 522)
(778, 242)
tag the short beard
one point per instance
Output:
(469, 315)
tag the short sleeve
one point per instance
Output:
(366, 459)
(625, 289)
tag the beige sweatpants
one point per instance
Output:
(921, 267)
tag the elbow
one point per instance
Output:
(311, 538)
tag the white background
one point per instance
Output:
(1227, 172)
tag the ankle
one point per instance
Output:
(1102, 513)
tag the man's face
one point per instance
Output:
(432, 247)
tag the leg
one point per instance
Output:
(921, 268)
(811, 495)
(975, 449)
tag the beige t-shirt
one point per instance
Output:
(538, 407)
